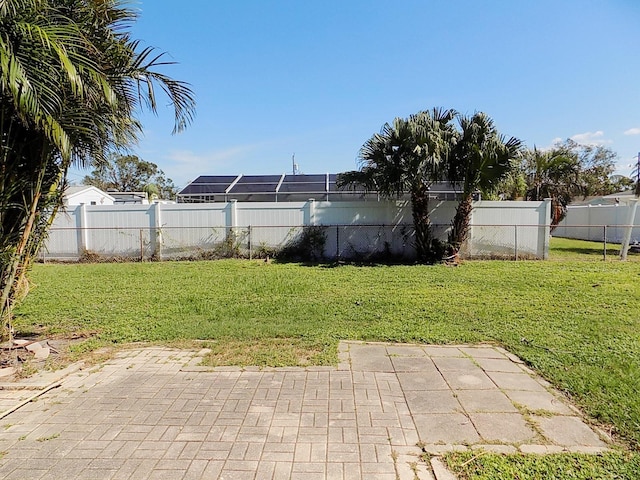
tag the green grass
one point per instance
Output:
(481, 466)
(570, 249)
(577, 323)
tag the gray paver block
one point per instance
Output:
(485, 401)
(423, 381)
(441, 448)
(453, 428)
(516, 381)
(568, 431)
(539, 401)
(437, 401)
(405, 351)
(370, 358)
(413, 364)
(448, 364)
(440, 471)
(487, 351)
(498, 365)
(503, 427)
(472, 379)
(443, 351)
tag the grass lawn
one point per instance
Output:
(575, 322)
(570, 249)
(481, 466)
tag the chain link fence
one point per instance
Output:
(366, 243)
(314, 243)
(594, 242)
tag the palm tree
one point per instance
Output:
(553, 174)
(480, 160)
(407, 157)
(71, 82)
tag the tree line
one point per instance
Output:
(129, 173)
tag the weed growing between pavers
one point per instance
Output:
(479, 465)
(269, 352)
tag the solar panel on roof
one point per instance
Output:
(202, 189)
(253, 188)
(262, 187)
(260, 179)
(305, 178)
(225, 179)
(302, 187)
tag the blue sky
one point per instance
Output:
(318, 78)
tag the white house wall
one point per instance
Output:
(87, 196)
(352, 227)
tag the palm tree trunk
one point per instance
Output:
(16, 258)
(12, 271)
(422, 223)
(460, 225)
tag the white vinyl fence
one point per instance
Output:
(350, 229)
(599, 223)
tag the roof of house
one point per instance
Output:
(78, 189)
(612, 199)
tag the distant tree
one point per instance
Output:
(407, 157)
(552, 174)
(636, 174)
(512, 187)
(480, 160)
(152, 191)
(621, 183)
(566, 171)
(128, 173)
(597, 164)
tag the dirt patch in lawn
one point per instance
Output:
(24, 356)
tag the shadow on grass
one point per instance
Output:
(585, 251)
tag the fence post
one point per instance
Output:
(604, 237)
(234, 213)
(84, 233)
(337, 243)
(157, 251)
(547, 227)
(249, 242)
(628, 229)
(141, 245)
(515, 241)
(312, 211)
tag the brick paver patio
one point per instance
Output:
(155, 414)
